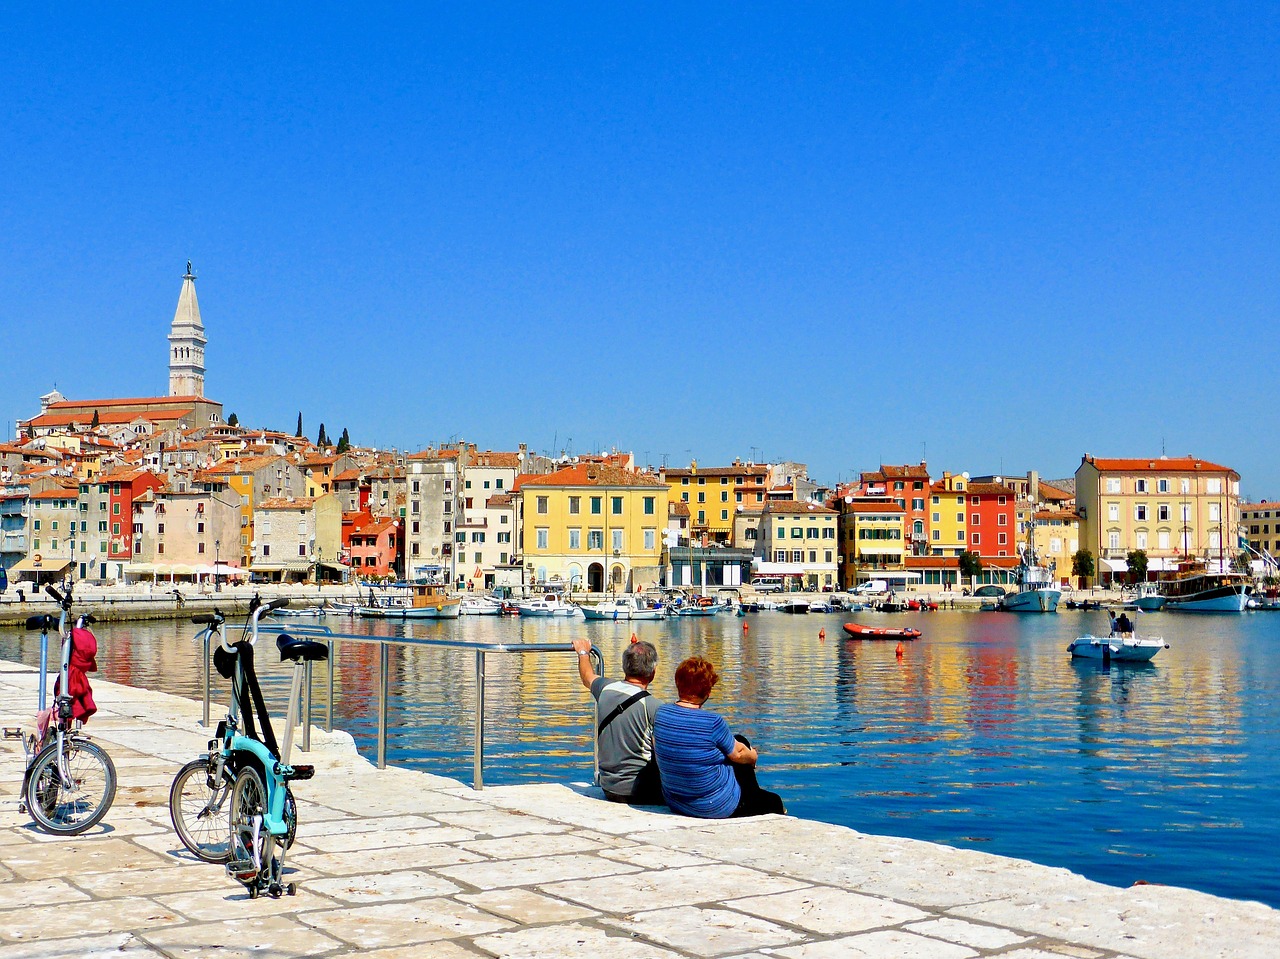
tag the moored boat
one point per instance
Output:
(1199, 591)
(1148, 598)
(550, 604)
(479, 606)
(425, 601)
(858, 631)
(621, 608)
(1124, 649)
(794, 606)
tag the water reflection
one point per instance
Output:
(983, 733)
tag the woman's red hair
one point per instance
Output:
(695, 677)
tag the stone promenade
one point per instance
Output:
(395, 864)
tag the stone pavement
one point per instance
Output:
(395, 864)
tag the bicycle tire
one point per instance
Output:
(66, 812)
(200, 815)
(248, 801)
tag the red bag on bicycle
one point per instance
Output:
(84, 652)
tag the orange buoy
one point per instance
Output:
(746, 627)
(899, 651)
(822, 634)
(633, 638)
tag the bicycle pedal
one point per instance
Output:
(12, 732)
(242, 870)
(301, 773)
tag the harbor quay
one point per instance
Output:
(397, 863)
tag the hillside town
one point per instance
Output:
(167, 489)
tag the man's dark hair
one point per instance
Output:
(640, 661)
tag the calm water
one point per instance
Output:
(984, 734)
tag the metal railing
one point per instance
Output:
(332, 639)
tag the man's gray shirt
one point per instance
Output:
(626, 745)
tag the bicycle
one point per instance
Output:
(69, 782)
(261, 814)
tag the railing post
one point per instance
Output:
(382, 704)
(44, 671)
(205, 722)
(328, 702)
(477, 775)
(306, 708)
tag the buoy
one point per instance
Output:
(746, 627)
(822, 634)
(899, 652)
(633, 638)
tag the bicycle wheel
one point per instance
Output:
(200, 814)
(75, 799)
(246, 815)
(290, 817)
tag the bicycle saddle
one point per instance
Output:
(301, 650)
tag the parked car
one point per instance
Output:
(991, 590)
(767, 584)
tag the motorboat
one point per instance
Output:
(479, 606)
(1085, 604)
(1036, 592)
(550, 604)
(1148, 598)
(794, 606)
(1124, 649)
(1199, 591)
(622, 608)
(305, 611)
(425, 601)
(858, 631)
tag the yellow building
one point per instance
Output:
(948, 529)
(872, 538)
(715, 493)
(592, 526)
(800, 541)
(1169, 507)
(1057, 538)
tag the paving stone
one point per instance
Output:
(79, 855)
(886, 944)
(654, 857)
(441, 949)
(399, 923)
(705, 932)
(828, 911)
(88, 918)
(668, 887)
(152, 882)
(231, 898)
(115, 946)
(384, 860)
(360, 841)
(572, 939)
(495, 823)
(38, 892)
(522, 847)
(525, 907)
(253, 937)
(341, 823)
(972, 934)
(366, 888)
(526, 872)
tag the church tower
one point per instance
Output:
(186, 343)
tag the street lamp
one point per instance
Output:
(319, 563)
(217, 566)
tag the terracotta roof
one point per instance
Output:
(499, 460)
(243, 464)
(1264, 505)
(1049, 491)
(66, 492)
(499, 499)
(374, 528)
(346, 475)
(281, 502)
(589, 474)
(920, 472)
(1056, 514)
(106, 418)
(789, 508)
(678, 508)
(1157, 464)
(433, 454)
(743, 470)
(989, 489)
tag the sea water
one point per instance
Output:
(981, 734)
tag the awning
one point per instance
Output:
(224, 570)
(887, 574)
(280, 567)
(1157, 565)
(46, 565)
(1114, 565)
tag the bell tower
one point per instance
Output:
(187, 342)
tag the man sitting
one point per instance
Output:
(628, 772)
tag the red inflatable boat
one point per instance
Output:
(858, 631)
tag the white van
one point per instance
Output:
(871, 586)
(767, 584)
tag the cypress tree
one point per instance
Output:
(299, 430)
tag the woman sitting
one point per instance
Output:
(707, 772)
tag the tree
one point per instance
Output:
(1243, 563)
(1137, 560)
(970, 566)
(1082, 565)
(95, 423)
(344, 441)
(322, 440)
(298, 432)
(233, 420)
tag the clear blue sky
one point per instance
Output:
(842, 234)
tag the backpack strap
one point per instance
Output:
(620, 709)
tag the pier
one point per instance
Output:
(397, 863)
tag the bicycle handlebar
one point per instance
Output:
(57, 596)
(276, 604)
(44, 622)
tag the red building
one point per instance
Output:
(992, 518)
(373, 545)
(908, 486)
(125, 487)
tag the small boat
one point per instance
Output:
(341, 609)
(795, 606)
(621, 608)
(1198, 591)
(425, 601)
(479, 606)
(306, 611)
(1087, 604)
(1123, 649)
(1148, 598)
(821, 606)
(924, 605)
(550, 604)
(858, 631)
(695, 609)
(1036, 592)
(890, 606)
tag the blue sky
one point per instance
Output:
(844, 234)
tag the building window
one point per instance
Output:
(975, 539)
(617, 540)
(1162, 485)
(575, 505)
(1113, 512)
(1140, 511)
(650, 540)
(544, 537)
(542, 507)
(1002, 539)
(974, 519)
(649, 505)
(1162, 511)
(597, 504)
(575, 538)
(616, 505)
(702, 497)
(1113, 485)
(595, 539)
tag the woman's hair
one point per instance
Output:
(695, 677)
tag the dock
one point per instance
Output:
(402, 864)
